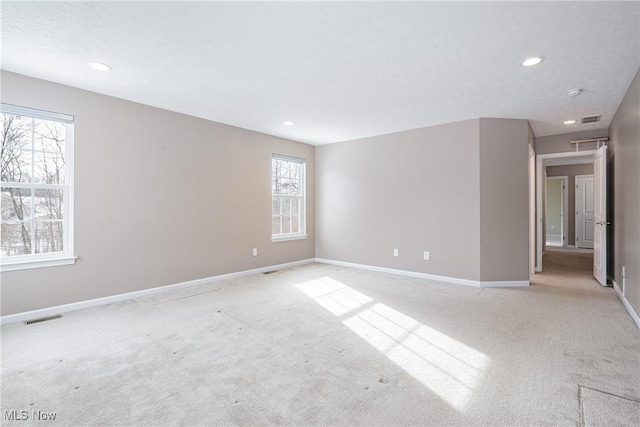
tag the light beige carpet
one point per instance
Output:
(326, 345)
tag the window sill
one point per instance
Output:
(37, 263)
(287, 238)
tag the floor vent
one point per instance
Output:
(270, 272)
(590, 119)
(42, 319)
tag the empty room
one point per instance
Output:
(320, 213)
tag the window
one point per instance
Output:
(36, 188)
(288, 198)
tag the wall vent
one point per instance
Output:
(590, 119)
(42, 319)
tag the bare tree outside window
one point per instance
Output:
(33, 178)
(287, 191)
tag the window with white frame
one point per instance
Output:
(36, 188)
(288, 198)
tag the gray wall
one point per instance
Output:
(415, 191)
(554, 207)
(625, 161)
(160, 198)
(571, 171)
(504, 200)
(458, 190)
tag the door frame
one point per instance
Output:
(576, 223)
(600, 270)
(564, 232)
(540, 166)
(532, 210)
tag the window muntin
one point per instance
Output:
(35, 185)
(288, 197)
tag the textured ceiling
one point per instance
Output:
(339, 70)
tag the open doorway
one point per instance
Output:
(556, 203)
(548, 215)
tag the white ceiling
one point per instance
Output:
(339, 70)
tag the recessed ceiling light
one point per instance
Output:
(530, 62)
(574, 92)
(569, 122)
(99, 66)
(287, 123)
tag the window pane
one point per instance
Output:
(286, 224)
(286, 206)
(33, 152)
(49, 168)
(16, 132)
(293, 170)
(16, 204)
(286, 180)
(283, 168)
(275, 225)
(16, 165)
(48, 203)
(48, 237)
(49, 136)
(289, 187)
(15, 239)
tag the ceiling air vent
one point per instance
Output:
(590, 119)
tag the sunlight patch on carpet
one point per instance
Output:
(333, 295)
(449, 368)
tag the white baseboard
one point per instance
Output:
(34, 314)
(504, 284)
(458, 281)
(627, 304)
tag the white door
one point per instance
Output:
(600, 216)
(585, 204)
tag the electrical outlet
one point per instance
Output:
(395, 252)
(255, 251)
(426, 255)
(624, 273)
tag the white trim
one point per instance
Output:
(27, 315)
(302, 230)
(37, 263)
(627, 305)
(288, 158)
(458, 281)
(505, 284)
(286, 238)
(67, 256)
(540, 166)
(35, 113)
(531, 165)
